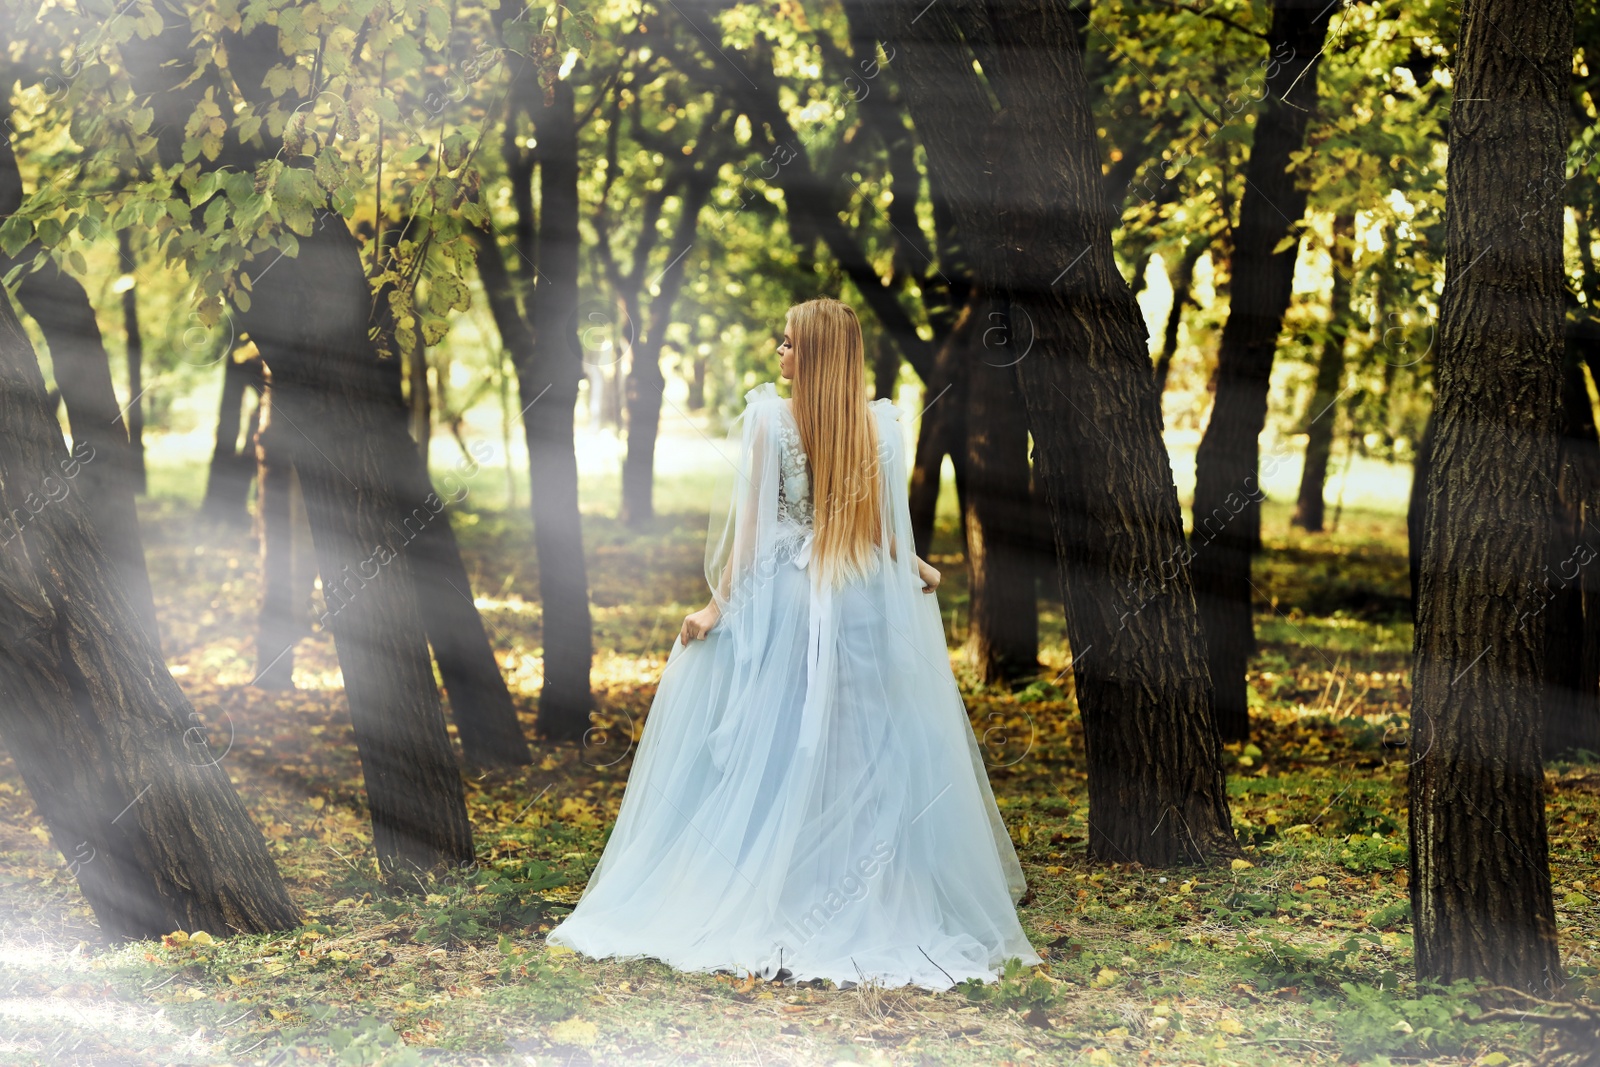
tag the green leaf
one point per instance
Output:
(15, 234)
(79, 264)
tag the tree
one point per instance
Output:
(541, 337)
(57, 302)
(1182, 296)
(111, 750)
(693, 175)
(232, 465)
(285, 614)
(133, 337)
(310, 323)
(1003, 626)
(1155, 782)
(1330, 373)
(1226, 531)
(1480, 880)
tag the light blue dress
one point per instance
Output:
(808, 794)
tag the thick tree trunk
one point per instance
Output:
(228, 478)
(285, 613)
(309, 319)
(645, 381)
(55, 300)
(108, 745)
(1155, 782)
(135, 348)
(1227, 498)
(1480, 879)
(1320, 417)
(1003, 626)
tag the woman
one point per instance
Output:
(808, 800)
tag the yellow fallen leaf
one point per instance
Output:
(574, 1032)
(1101, 1058)
(1242, 865)
(558, 950)
(200, 937)
(1316, 882)
(1230, 1026)
(316, 803)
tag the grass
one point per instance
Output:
(1301, 954)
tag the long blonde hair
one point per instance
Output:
(837, 432)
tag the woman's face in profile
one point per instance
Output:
(786, 354)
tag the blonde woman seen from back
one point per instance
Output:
(808, 800)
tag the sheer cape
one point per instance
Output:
(808, 793)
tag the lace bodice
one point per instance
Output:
(794, 475)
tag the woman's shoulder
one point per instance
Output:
(765, 393)
(886, 408)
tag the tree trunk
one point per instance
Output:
(943, 429)
(1572, 694)
(1182, 290)
(548, 359)
(1480, 880)
(309, 319)
(55, 300)
(1029, 199)
(486, 720)
(109, 747)
(228, 479)
(645, 381)
(417, 399)
(1227, 498)
(135, 347)
(885, 368)
(1003, 626)
(285, 613)
(1320, 416)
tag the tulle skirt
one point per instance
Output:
(808, 796)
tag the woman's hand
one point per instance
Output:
(929, 576)
(697, 625)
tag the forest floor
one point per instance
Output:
(1301, 953)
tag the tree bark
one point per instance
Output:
(1003, 626)
(55, 300)
(309, 319)
(1320, 417)
(1029, 200)
(1226, 531)
(111, 750)
(135, 348)
(1480, 880)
